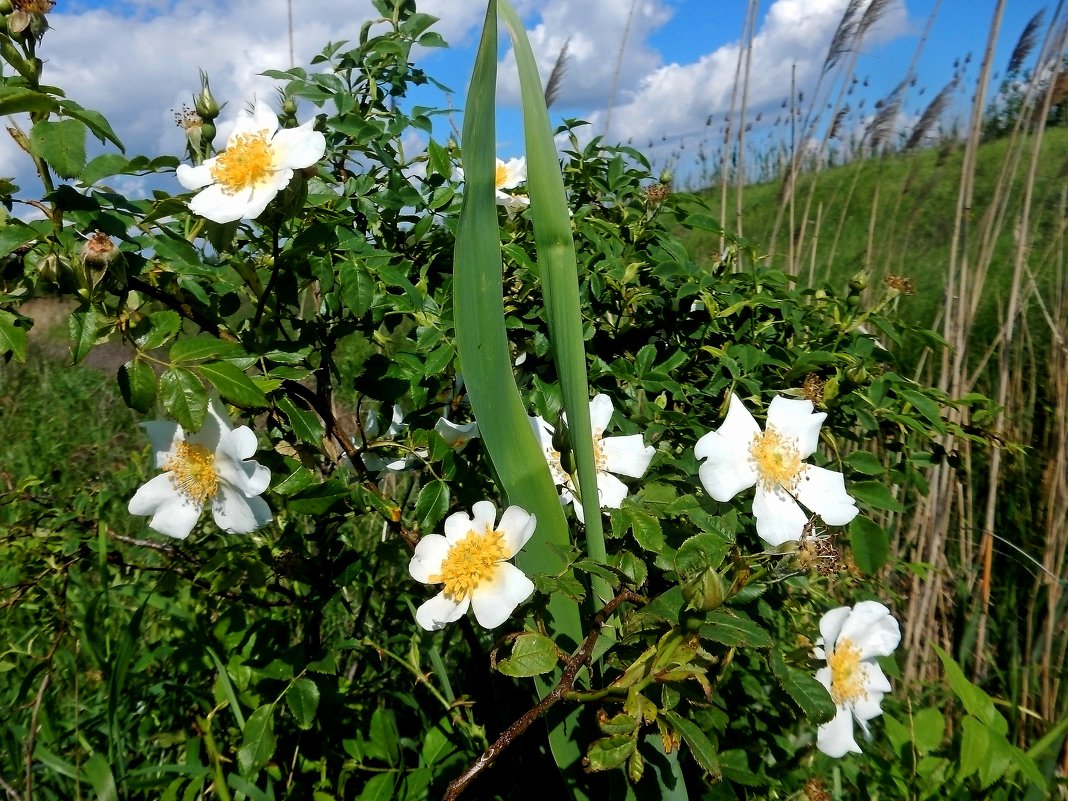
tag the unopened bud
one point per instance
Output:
(562, 445)
(859, 281)
(204, 103)
(666, 177)
(705, 592)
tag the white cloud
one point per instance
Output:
(790, 45)
(594, 32)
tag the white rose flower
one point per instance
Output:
(850, 640)
(456, 435)
(509, 175)
(625, 456)
(209, 467)
(256, 165)
(471, 560)
(739, 456)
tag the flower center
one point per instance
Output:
(847, 677)
(501, 175)
(194, 472)
(470, 561)
(245, 163)
(778, 461)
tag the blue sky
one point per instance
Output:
(135, 61)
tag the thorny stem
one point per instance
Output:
(567, 681)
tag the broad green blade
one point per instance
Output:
(485, 360)
(559, 276)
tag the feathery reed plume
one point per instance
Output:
(931, 114)
(882, 124)
(872, 14)
(843, 35)
(556, 77)
(1026, 43)
(836, 124)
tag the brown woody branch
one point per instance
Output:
(564, 686)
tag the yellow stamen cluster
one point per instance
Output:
(778, 461)
(500, 176)
(244, 164)
(469, 562)
(847, 676)
(193, 468)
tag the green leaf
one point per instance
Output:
(162, 325)
(18, 99)
(103, 166)
(257, 741)
(320, 498)
(811, 696)
(198, 348)
(84, 326)
(734, 630)
(700, 552)
(184, 397)
(61, 144)
(12, 338)
(532, 655)
(306, 424)
(357, 287)
(974, 745)
(99, 774)
(925, 406)
(870, 544)
(876, 495)
(976, 702)
(137, 383)
(864, 462)
(302, 698)
(233, 384)
(432, 504)
(928, 729)
(700, 746)
(646, 529)
(383, 735)
(610, 752)
(378, 788)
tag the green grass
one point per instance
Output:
(69, 440)
(916, 205)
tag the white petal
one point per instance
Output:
(876, 685)
(261, 119)
(457, 526)
(627, 456)
(566, 497)
(831, 625)
(494, 600)
(727, 469)
(823, 676)
(296, 148)
(430, 553)
(240, 443)
(779, 518)
(600, 413)
(164, 437)
(172, 513)
(250, 478)
(264, 192)
(794, 419)
(823, 491)
(515, 171)
(456, 435)
(516, 527)
(440, 610)
(219, 206)
(484, 516)
(237, 514)
(610, 491)
(872, 629)
(153, 494)
(196, 177)
(835, 738)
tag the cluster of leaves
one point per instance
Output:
(286, 663)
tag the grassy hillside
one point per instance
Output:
(894, 215)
